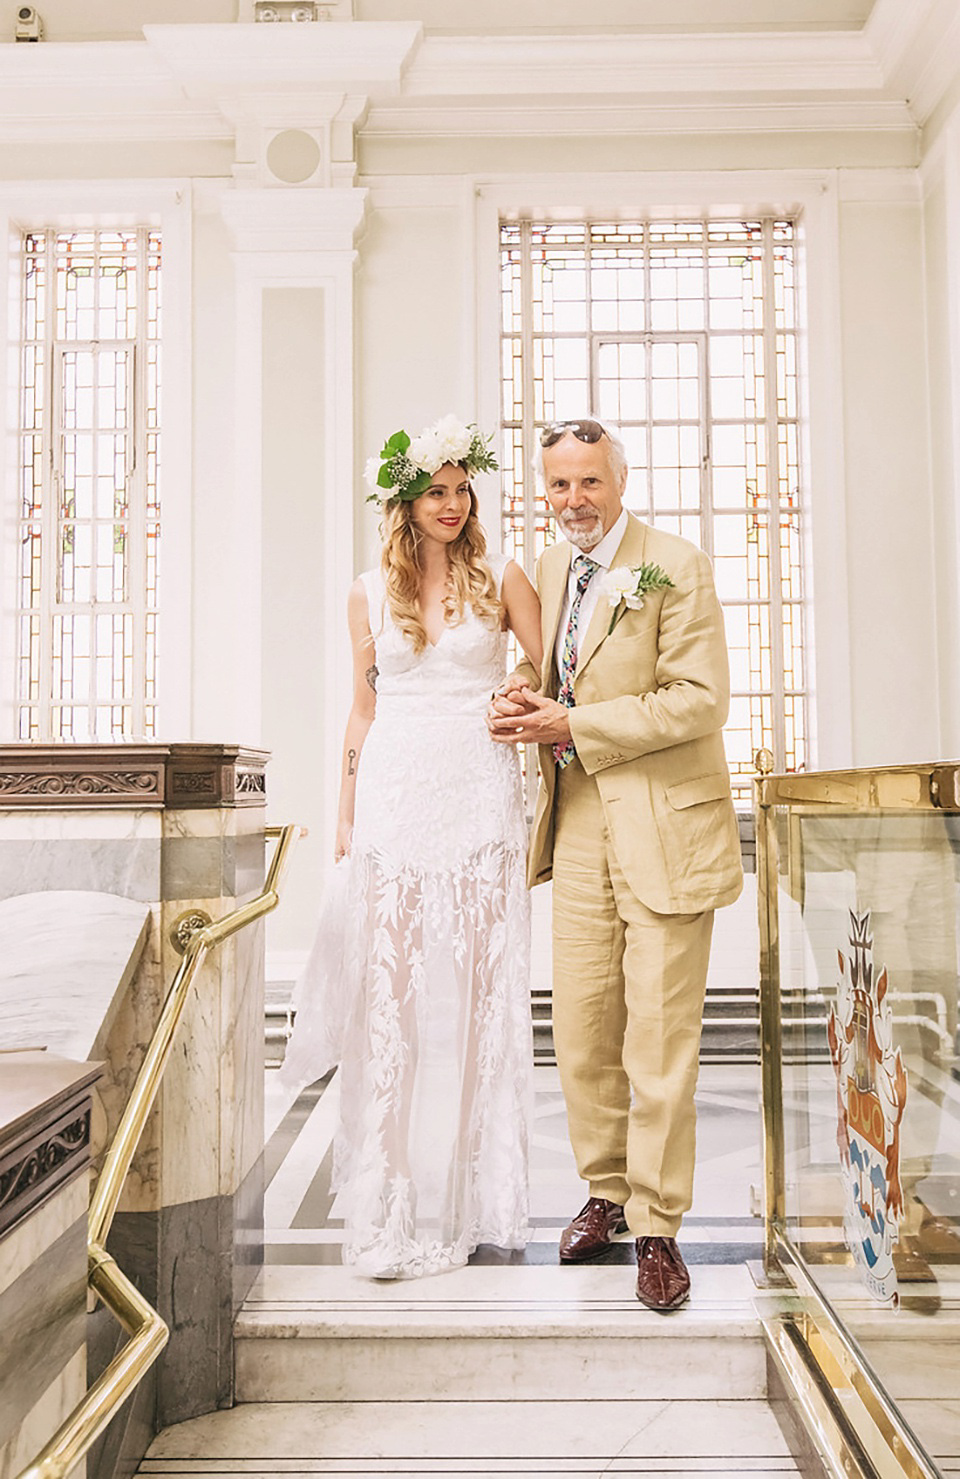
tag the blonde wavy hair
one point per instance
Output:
(470, 581)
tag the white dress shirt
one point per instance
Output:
(602, 554)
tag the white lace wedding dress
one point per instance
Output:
(436, 1062)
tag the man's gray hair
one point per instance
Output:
(618, 452)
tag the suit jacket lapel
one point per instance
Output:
(629, 552)
(553, 589)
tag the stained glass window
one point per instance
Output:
(89, 485)
(685, 334)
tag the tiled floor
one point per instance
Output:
(302, 1226)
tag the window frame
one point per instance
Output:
(64, 206)
(811, 198)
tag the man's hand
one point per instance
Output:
(530, 719)
(509, 700)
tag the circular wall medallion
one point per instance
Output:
(293, 156)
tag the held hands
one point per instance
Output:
(518, 715)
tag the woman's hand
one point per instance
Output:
(341, 847)
(523, 717)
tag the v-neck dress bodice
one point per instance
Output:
(436, 1066)
(432, 786)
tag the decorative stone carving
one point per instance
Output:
(32, 1170)
(193, 783)
(178, 775)
(81, 783)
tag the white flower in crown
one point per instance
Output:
(406, 465)
(626, 586)
(454, 440)
(426, 451)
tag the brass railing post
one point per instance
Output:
(771, 1032)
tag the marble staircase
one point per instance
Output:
(323, 1334)
(507, 1438)
(502, 1370)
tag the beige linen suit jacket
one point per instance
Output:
(651, 699)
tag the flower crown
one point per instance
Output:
(406, 466)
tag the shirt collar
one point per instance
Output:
(604, 552)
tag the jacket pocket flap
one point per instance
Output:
(701, 788)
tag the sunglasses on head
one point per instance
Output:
(584, 431)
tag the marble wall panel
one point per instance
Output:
(192, 867)
(67, 962)
(242, 1063)
(189, 1231)
(43, 1419)
(118, 1451)
(124, 1051)
(189, 1094)
(26, 1242)
(195, 1298)
(66, 824)
(129, 868)
(245, 866)
(247, 1252)
(42, 1317)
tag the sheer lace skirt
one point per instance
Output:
(431, 1154)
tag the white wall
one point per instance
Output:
(890, 555)
(414, 355)
(942, 268)
(883, 355)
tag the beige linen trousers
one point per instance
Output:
(640, 837)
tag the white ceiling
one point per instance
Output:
(68, 20)
(641, 66)
(677, 16)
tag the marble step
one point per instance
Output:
(505, 1439)
(323, 1334)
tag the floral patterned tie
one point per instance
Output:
(584, 568)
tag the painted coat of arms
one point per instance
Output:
(871, 1097)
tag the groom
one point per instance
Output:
(636, 826)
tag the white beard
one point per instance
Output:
(584, 534)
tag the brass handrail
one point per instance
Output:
(148, 1332)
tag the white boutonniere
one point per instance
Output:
(626, 586)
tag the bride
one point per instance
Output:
(430, 1157)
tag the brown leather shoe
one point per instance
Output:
(662, 1279)
(589, 1233)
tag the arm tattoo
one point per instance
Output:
(372, 673)
(351, 757)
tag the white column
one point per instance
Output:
(300, 240)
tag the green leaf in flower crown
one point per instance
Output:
(480, 457)
(385, 477)
(416, 486)
(398, 443)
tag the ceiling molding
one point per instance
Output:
(187, 82)
(148, 125)
(297, 219)
(576, 119)
(917, 45)
(886, 186)
(339, 56)
(719, 63)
